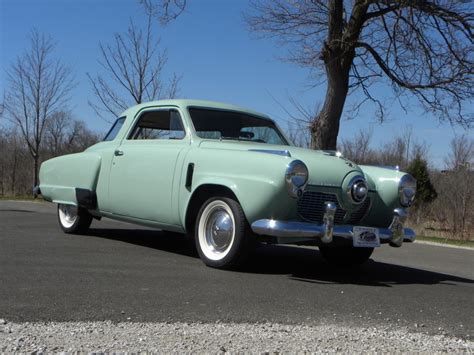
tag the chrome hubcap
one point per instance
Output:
(216, 230)
(219, 230)
(67, 215)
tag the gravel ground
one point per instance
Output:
(216, 338)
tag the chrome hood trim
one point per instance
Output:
(284, 153)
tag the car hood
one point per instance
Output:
(325, 169)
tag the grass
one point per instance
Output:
(464, 243)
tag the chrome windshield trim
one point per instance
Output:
(285, 153)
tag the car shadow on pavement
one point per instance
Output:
(307, 265)
(166, 241)
(301, 264)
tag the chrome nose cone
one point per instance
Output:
(357, 189)
(360, 192)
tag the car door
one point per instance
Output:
(144, 166)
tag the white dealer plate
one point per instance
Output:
(366, 237)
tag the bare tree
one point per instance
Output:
(299, 121)
(462, 153)
(65, 135)
(358, 149)
(2, 106)
(79, 137)
(56, 129)
(456, 189)
(39, 86)
(423, 48)
(298, 133)
(133, 68)
(3, 160)
(164, 10)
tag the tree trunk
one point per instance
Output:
(13, 175)
(325, 127)
(36, 165)
(337, 57)
(2, 178)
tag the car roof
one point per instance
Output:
(192, 103)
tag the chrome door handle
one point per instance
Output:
(118, 153)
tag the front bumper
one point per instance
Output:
(286, 231)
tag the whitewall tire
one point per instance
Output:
(73, 219)
(223, 238)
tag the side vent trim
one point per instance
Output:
(189, 176)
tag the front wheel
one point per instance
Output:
(346, 256)
(222, 234)
(73, 220)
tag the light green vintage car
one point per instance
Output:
(229, 177)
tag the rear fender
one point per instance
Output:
(59, 177)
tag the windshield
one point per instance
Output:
(234, 125)
(110, 136)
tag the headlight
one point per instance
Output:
(357, 189)
(407, 190)
(296, 177)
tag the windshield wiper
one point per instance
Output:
(242, 139)
(233, 138)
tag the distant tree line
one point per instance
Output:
(62, 135)
(35, 120)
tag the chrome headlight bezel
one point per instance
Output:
(296, 177)
(357, 190)
(407, 190)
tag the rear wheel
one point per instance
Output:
(346, 256)
(73, 220)
(222, 235)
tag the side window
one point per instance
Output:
(160, 124)
(110, 136)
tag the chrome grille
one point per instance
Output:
(359, 213)
(311, 207)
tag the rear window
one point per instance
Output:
(110, 136)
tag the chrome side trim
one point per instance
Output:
(285, 153)
(333, 153)
(389, 167)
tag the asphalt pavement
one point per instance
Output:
(122, 272)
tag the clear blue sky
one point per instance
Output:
(210, 47)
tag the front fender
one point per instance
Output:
(257, 181)
(385, 198)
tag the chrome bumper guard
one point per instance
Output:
(395, 234)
